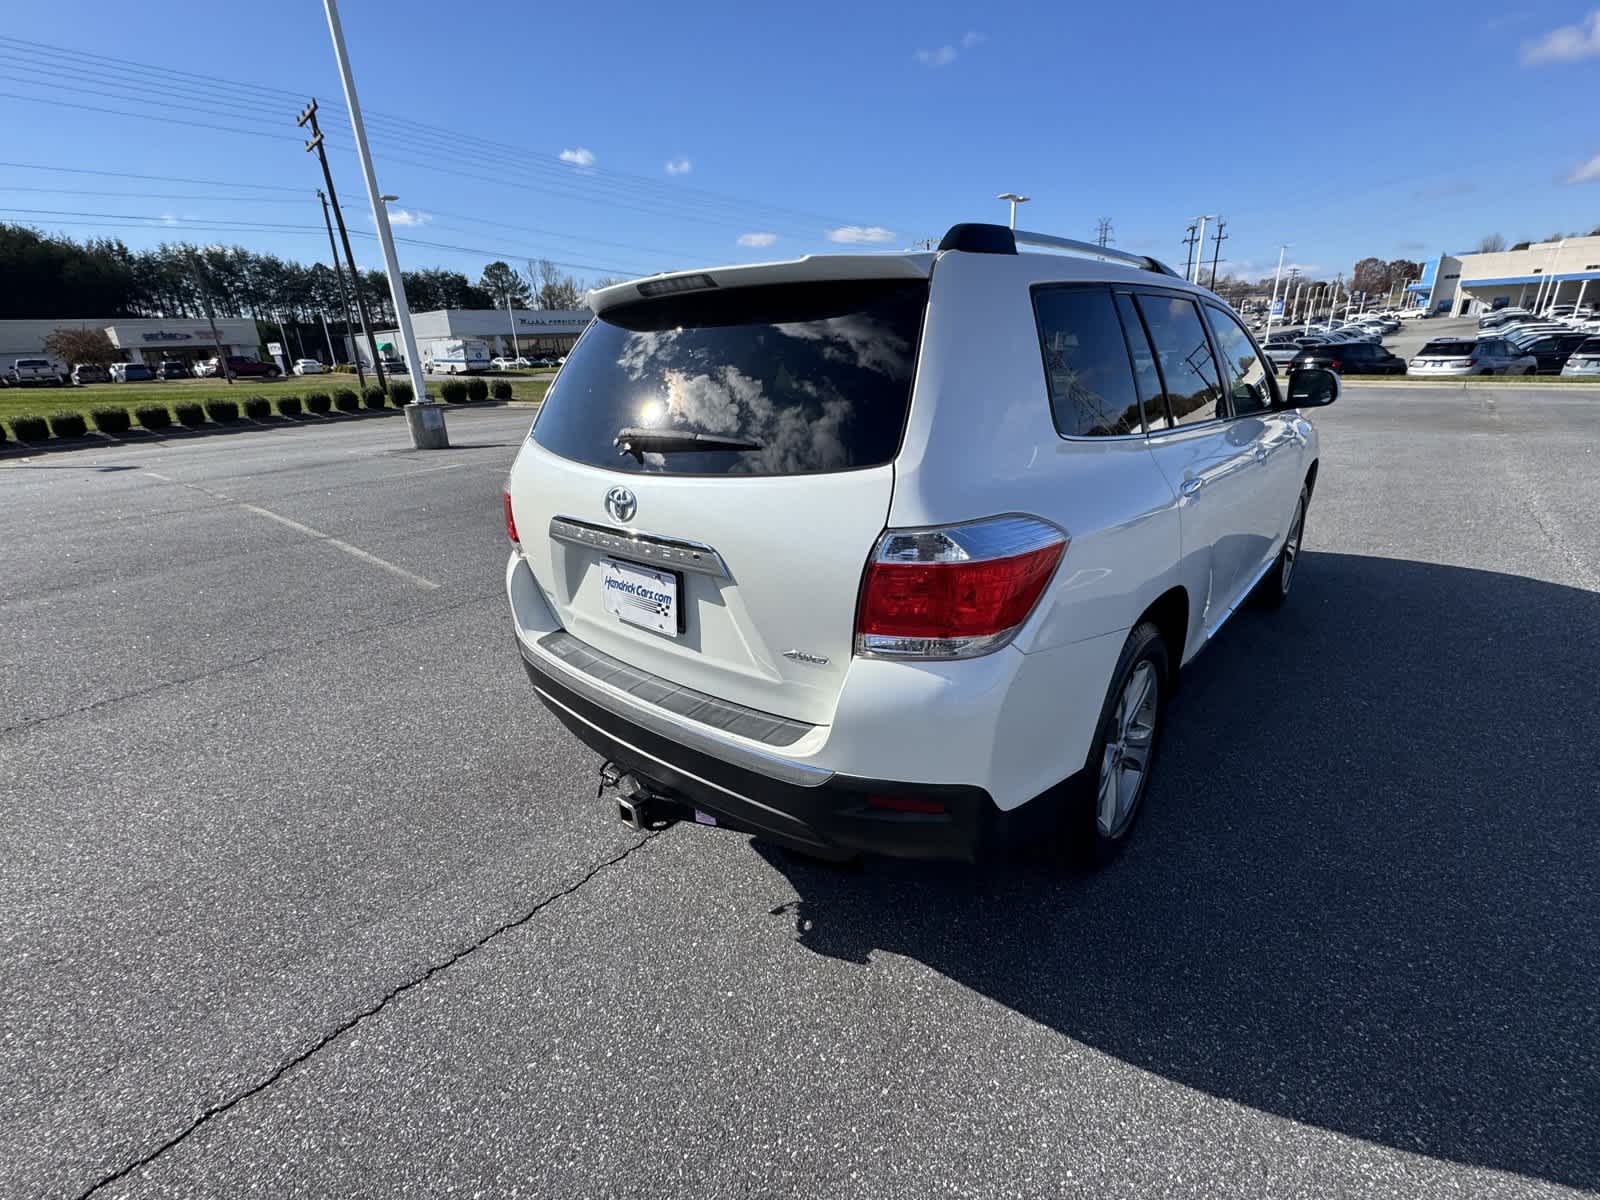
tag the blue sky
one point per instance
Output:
(699, 133)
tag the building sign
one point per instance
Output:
(577, 322)
(163, 336)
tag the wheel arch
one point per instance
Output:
(1169, 613)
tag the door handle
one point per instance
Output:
(1191, 486)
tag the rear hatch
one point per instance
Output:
(712, 467)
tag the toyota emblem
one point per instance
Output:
(621, 504)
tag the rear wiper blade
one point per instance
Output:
(639, 442)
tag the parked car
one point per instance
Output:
(1353, 358)
(126, 372)
(1471, 356)
(395, 366)
(35, 370)
(86, 373)
(1550, 349)
(502, 363)
(173, 368)
(787, 605)
(239, 367)
(307, 366)
(1585, 360)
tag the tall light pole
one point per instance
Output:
(1015, 200)
(1283, 249)
(424, 418)
(1200, 241)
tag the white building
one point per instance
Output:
(1542, 274)
(140, 339)
(508, 332)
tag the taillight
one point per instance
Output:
(956, 591)
(1335, 363)
(511, 521)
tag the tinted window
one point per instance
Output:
(1448, 347)
(1086, 362)
(1242, 368)
(817, 375)
(1187, 368)
(1590, 346)
(1145, 374)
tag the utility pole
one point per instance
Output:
(1216, 255)
(308, 115)
(211, 320)
(1188, 261)
(1015, 200)
(1102, 234)
(424, 419)
(511, 319)
(328, 337)
(344, 299)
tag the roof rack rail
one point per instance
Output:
(982, 238)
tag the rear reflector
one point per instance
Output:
(906, 804)
(511, 521)
(957, 591)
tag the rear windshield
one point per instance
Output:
(32, 362)
(1454, 348)
(1589, 346)
(817, 376)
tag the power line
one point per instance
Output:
(452, 139)
(275, 187)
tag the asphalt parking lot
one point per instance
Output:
(304, 895)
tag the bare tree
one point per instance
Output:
(1492, 243)
(553, 287)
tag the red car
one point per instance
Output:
(239, 367)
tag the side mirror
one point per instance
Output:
(1312, 387)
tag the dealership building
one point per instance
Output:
(1543, 273)
(139, 339)
(508, 332)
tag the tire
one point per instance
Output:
(1096, 822)
(1531, 371)
(1274, 587)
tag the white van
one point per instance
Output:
(461, 356)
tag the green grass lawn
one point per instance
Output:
(43, 401)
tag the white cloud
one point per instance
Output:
(407, 216)
(1586, 172)
(943, 56)
(861, 233)
(757, 239)
(1569, 43)
(168, 219)
(679, 166)
(578, 156)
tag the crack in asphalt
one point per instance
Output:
(216, 1110)
(236, 663)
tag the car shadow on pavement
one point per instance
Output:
(1363, 893)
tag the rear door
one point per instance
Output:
(738, 443)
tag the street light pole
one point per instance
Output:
(1200, 242)
(1015, 200)
(425, 418)
(1276, 276)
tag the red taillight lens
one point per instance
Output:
(906, 804)
(955, 592)
(511, 521)
(1335, 364)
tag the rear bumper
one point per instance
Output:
(829, 814)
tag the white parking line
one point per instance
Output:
(336, 543)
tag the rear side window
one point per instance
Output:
(802, 377)
(1449, 348)
(1193, 391)
(1086, 363)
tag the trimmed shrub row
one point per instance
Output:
(477, 389)
(192, 414)
(454, 391)
(501, 389)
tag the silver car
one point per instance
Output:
(1472, 356)
(1585, 360)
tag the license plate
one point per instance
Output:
(640, 595)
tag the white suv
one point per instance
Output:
(900, 553)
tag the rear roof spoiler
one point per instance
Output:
(980, 238)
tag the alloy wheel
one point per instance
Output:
(1125, 764)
